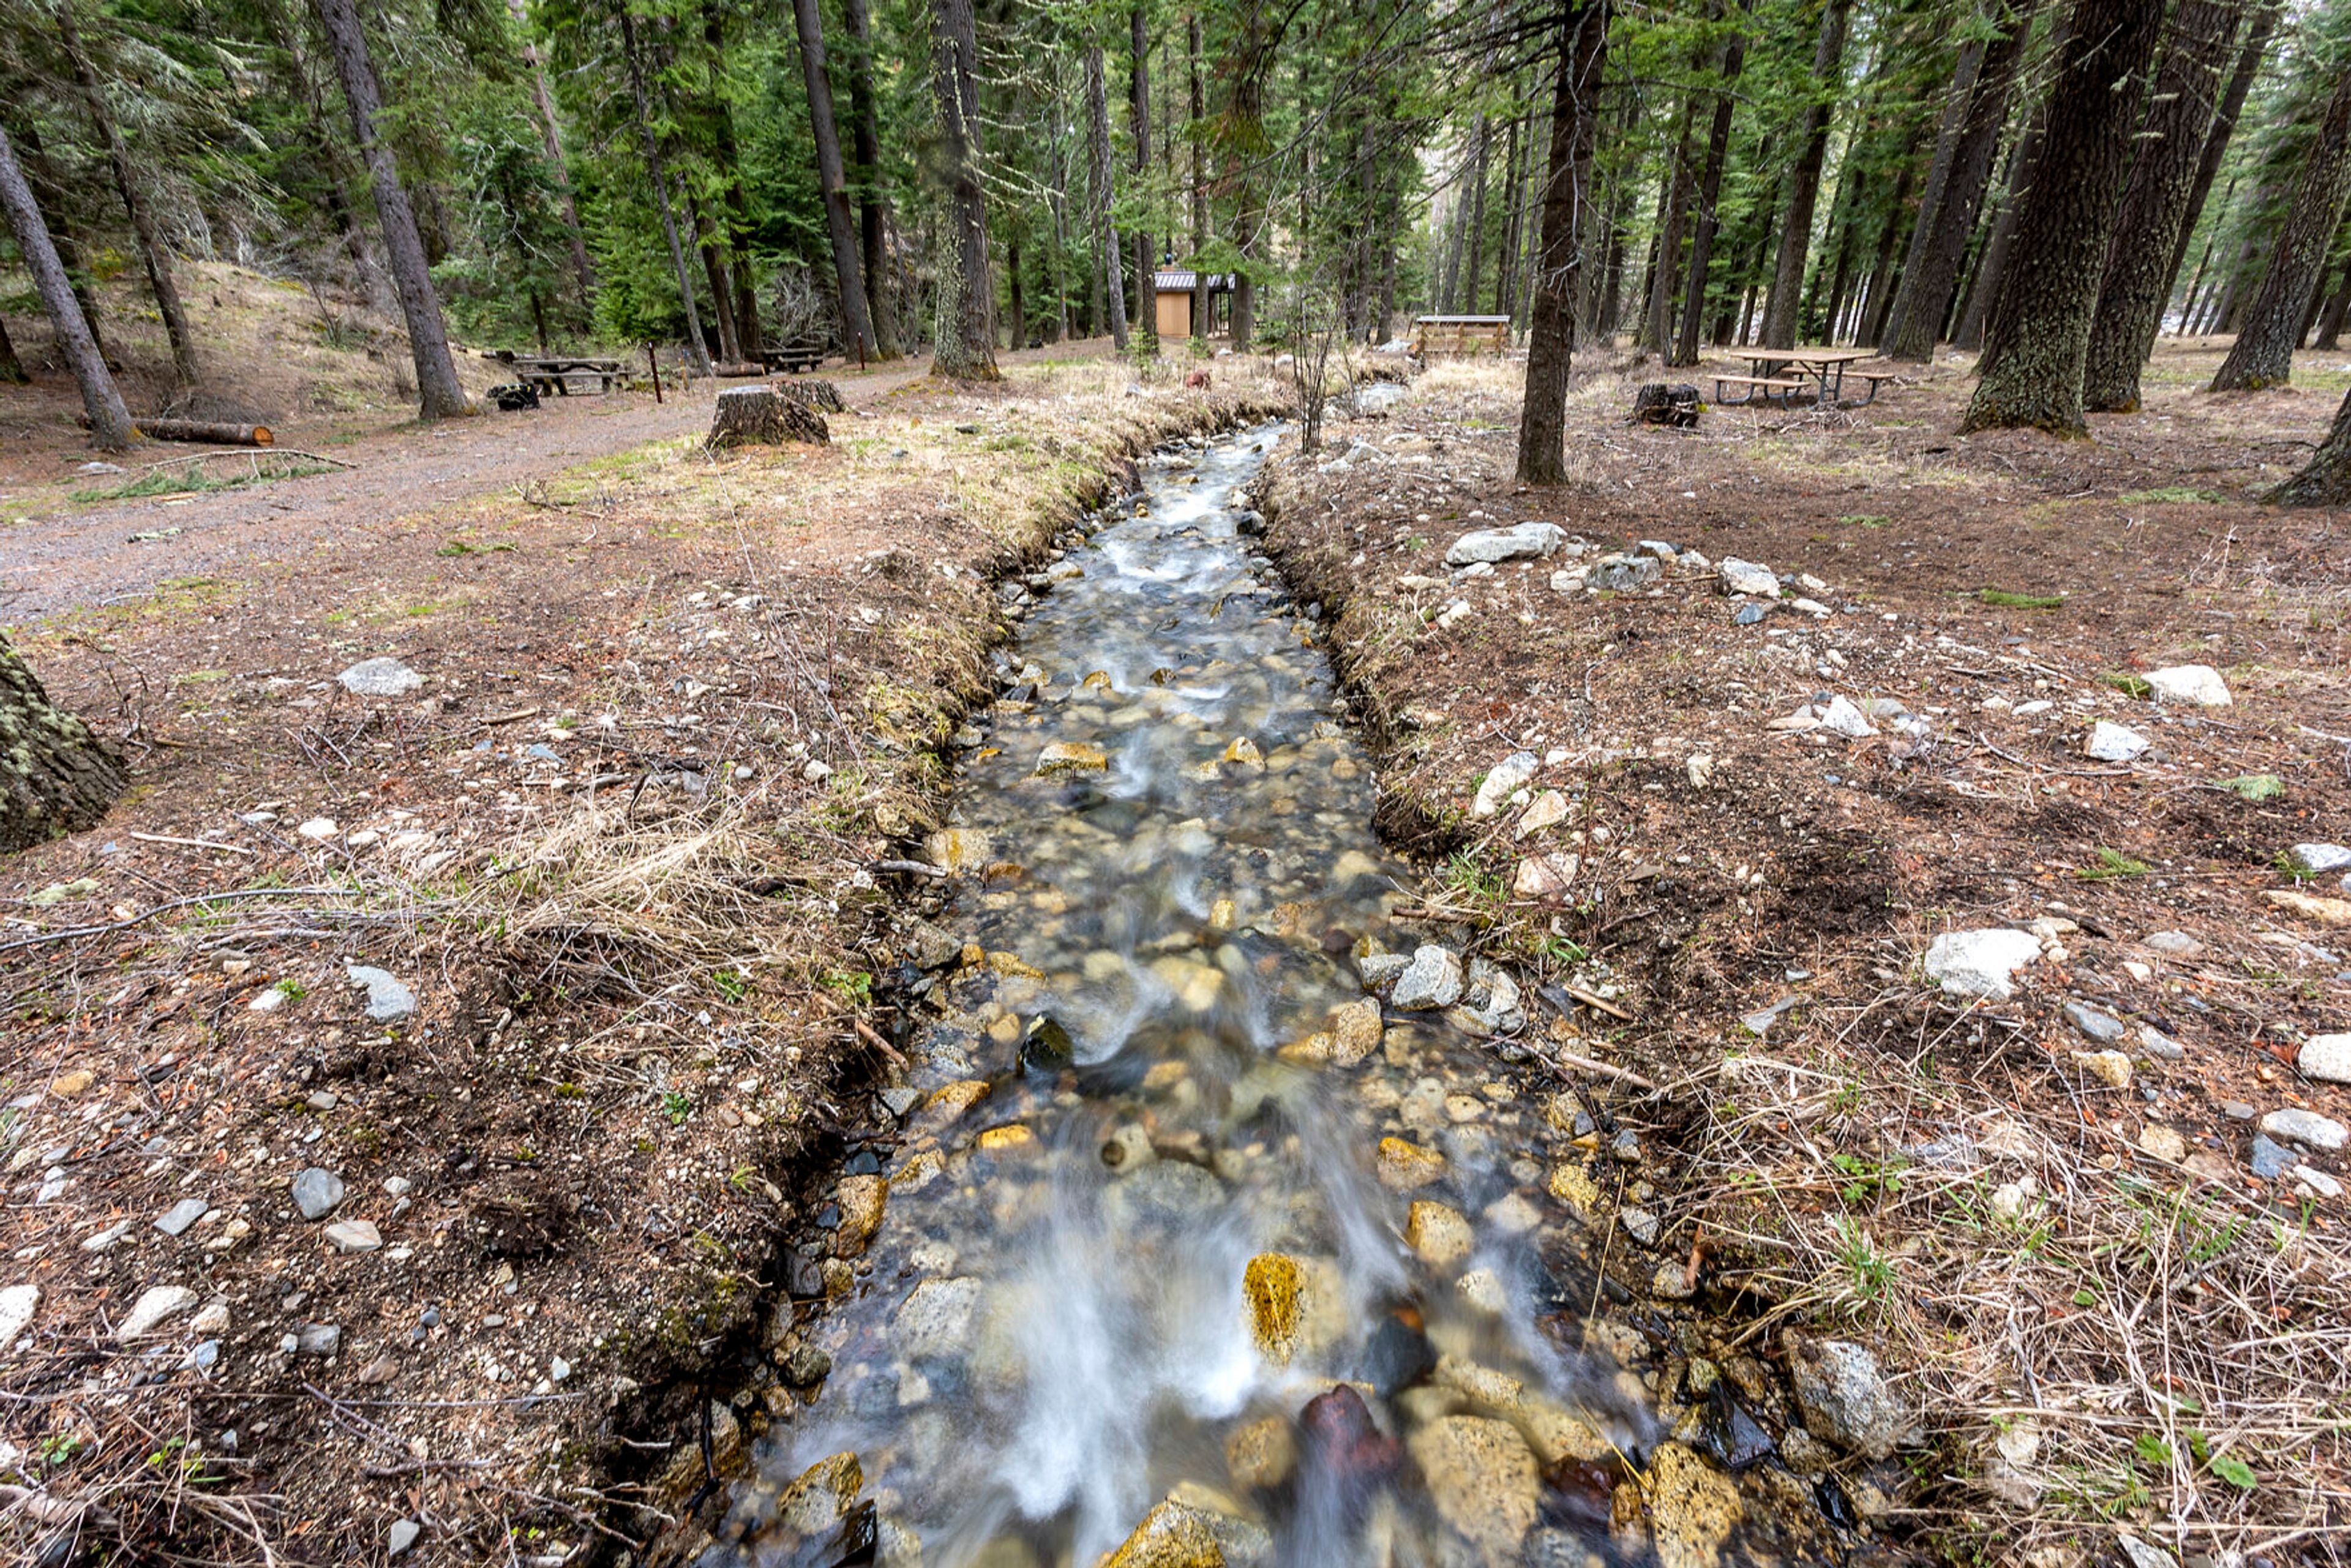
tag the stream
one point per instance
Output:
(1187, 1250)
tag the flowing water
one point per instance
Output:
(1106, 1288)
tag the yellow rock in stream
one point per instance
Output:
(958, 850)
(862, 1199)
(1013, 1139)
(1244, 751)
(1170, 1536)
(1438, 1234)
(1295, 1304)
(947, 1105)
(1070, 757)
(1403, 1166)
(1573, 1187)
(1693, 1509)
(1012, 965)
(813, 1505)
(1096, 681)
(1261, 1454)
(1221, 914)
(1354, 1031)
(1483, 1480)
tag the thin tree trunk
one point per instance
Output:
(110, 422)
(2140, 260)
(2326, 481)
(2261, 23)
(966, 346)
(2040, 329)
(1937, 250)
(697, 355)
(50, 193)
(2023, 160)
(1106, 241)
(12, 369)
(1958, 111)
(552, 138)
(856, 324)
(153, 253)
(2330, 322)
(441, 395)
(1199, 106)
(56, 777)
(1658, 331)
(1506, 255)
(722, 291)
(865, 131)
(1146, 257)
(2264, 353)
(1477, 263)
(1582, 48)
(1869, 317)
(1709, 220)
(1780, 309)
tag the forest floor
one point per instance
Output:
(2111, 1277)
(313, 1263)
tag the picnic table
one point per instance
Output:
(550, 372)
(795, 357)
(1782, 375)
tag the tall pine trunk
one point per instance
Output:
(440, 393)
(1582, 48)
(2264, 353)
(153, 253)
(2140, 260)
(12, 369)
(110, 422)
(856, 323)
(1113, 268)
(2262, 22)
(1199, 187)
(1710, 198)
(697, 353)
(865, 142)
(1938, 248)
(552, 138)
(1657, 328)
(1957, 109)
(967, 340)
(2038, 330)
(56, 777)
(1781, 308)
(1146, 258)
(2326, 481)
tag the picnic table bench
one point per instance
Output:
(1780, 374)
(551, 372)
(795, 357)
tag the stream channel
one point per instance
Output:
(1186, 1253)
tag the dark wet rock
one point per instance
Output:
(1733, 1438)
(864, 1162)
(1396, 1356)
(1047, 1047)
(1343, 1458)
(2102, 1027)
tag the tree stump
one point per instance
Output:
(814, 392)
(761, 416)
(56, 777)
(1664, 402)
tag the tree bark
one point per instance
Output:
(856, 323)
(1932, 274)
(153, 253)
(1710, 222)
(1146, 257)
(2040, 327)
(12, 369)
(1582, 48)
(552, 138)
(2264, 353)
(1958, 111)
(2140, 268)
(1199, 107)
(2024, 160)
(1106, 241)
(2330, 321)
(110, 422)
(967, 340)
(1804, 179)
(865, 132)
(49, 194)
(441, 393)
(697, 353)
(2259, 27)
(1657, 330)
(56, 777)
(2326, 481)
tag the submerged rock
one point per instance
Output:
(1483, 1479)
(1403, 1166)
(1070, 757)
(1693, 1509)
(1170, 1536)
(1293, 1304)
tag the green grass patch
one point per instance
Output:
(196, 481)
(2130, 686)
(2000, 599)
(2112, 865)
(2170, 494)
(2256, 786)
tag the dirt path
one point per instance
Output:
(70, 560)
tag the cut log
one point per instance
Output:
(761, 416)
(738, 370)
(56, 777)
(204, 431)
(813, 391)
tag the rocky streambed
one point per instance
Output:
(1186, 1248)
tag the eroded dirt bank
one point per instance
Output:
(440, 1253)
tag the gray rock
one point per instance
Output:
(1844, 1398)
(1433, 980)
(1658, 547)
(2172, 943)
(1168, 1194)
(2306, 1127)
(1523, 542)
(318, 1339)
(354, 1235)
(380, 678)
(17, 1303)
(2195, 686)
(933, 947)
(1503, 780)
(900, 1099)
(2326, 1057)
(937, 1320)
(1841, 717)
(2317, 860)
(1752, 614)
(181, 1214)
(388, 1001)
(1980, 964)
(2270, 1161)
(1624, 574)
(402, 1536)
(318, 1192)
(2104, 1027)
(2114, 742)
(1747, 577)
(151, 1308)
(1639, 1224)
(2159, 1045)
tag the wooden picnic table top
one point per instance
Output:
(1806, 356)
(555, 363)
